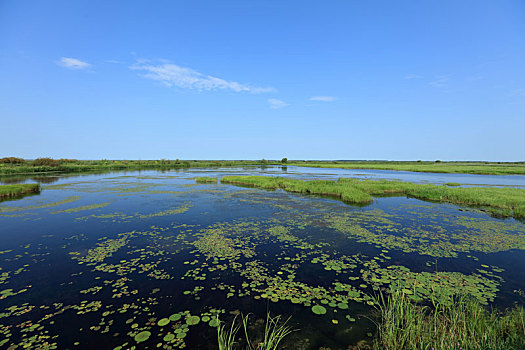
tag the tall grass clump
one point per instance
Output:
(205, 179)
(17, 191)
(226, 336)
(461, 324)
(275, 330)
(348, 194)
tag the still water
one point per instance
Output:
(151, 259)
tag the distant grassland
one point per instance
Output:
(16, 191)
(499, 201)
(48, 165)
(427, 167)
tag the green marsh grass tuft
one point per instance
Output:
(501, 201)
(461, 324)
(206, 179)
(17, 191)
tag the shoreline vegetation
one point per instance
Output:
(19, 166)
(504, 202)
(14, 165)
(462, 323)
(446, 323)
(17, 191)
(476, 168)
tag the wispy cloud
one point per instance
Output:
(275, 103)
(519, 92)
(173, 75)
(73, 63)
(440, 81)
(323, 98)
(412, 76)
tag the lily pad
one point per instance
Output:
(319, 310)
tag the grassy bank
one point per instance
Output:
(205, 179)
(48, 165)
(481, 168)
(463, 324)
(499, 201)
(17, 191)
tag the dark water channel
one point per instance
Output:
(151, 259)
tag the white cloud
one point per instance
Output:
(173, 75)
(440, 81)
(323, 98)
(275, 103)
(73, 63)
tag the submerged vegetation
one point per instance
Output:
(17, 191)
(499, 201)
(444, 325)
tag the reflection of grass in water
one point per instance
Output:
(461, 324)
(499, 201)
(82, 208)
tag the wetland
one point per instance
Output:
(163, 258)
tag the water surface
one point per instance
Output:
(151, 259)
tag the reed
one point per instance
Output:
(462, 324)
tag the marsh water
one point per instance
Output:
(152, 259)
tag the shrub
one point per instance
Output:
(46, 162)
(12, 160)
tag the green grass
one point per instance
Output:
(79, 166)
(226, 336)
(482, 168)
(205, 179)
(461, 324)
(275, 330)
(17, 191)
(499, 201)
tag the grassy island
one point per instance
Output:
(505, 202)
(17, 191)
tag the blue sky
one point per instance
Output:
(399, 80)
